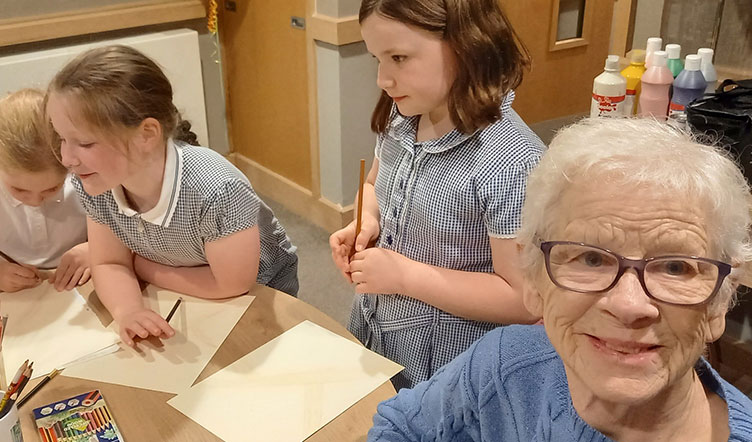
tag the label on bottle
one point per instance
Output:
(677, 112)
(605, 106)
(629, 102)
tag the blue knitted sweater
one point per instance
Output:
(511, 386)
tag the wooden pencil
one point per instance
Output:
(8, 258)
(359, 218)
(173, 310)
(38, 387)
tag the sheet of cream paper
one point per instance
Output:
(201, 326)
(286, 389)
(50, 328)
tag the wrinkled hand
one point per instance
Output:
(378, 270)
(341, 242)
(14, 277)
(143, 323)
(74, 268)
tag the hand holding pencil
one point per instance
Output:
(145, 322)
(357, 235)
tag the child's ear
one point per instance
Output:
(150, 132)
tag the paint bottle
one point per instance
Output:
(674, 62)
(633, 73)
(688, 86)
(707, 68)
(609, 91)
(654, 44)
(656, 82)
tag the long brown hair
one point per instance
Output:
(117, 87)
(491, 59)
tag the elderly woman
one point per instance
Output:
(631, 233)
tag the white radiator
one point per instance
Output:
(175, 51)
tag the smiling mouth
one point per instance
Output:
(623, 347)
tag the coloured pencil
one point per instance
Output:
(174, 309)
(3, 323)
(359, 218)
(15, 390)
(8, 258)
(38, 387)
(14, 383)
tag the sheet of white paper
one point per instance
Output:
(286, 389)
(201, 326)
(50, 328)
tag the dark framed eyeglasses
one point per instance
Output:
(674, 279)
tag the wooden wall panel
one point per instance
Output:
(560, 82)
(267, 86)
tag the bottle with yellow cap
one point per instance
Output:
(633, 74)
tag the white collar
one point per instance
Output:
(161, 214)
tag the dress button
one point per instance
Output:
(389, 239)
(402, 184)
(394, 212)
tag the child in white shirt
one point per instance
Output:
(43, 222)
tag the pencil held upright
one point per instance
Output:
(359, 217)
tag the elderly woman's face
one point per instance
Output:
(622, 346)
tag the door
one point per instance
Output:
(267, 94)
(568, 41)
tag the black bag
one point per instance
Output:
(725, 118)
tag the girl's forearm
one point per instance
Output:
(195, 281)
(471, 295)
(117, 287)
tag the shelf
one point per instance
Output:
(100, 19)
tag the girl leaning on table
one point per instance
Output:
(159, 209)
(443, 198)
(43, 225)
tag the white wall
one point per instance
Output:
(176, 51)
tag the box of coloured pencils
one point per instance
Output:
(82, 418)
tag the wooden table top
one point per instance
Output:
(144, 415)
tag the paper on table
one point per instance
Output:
(201, 326)
(50, 328)
(286, 389)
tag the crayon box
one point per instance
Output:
(82, 418)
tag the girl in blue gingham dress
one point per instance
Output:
(442, 201)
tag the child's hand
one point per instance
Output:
(142, 324)
(73, 269)
(378, 270)
(14, 277)
(341, 242)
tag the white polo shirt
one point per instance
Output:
(39, 236)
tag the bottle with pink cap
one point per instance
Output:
(656, 82)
